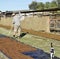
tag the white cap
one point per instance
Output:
(13, 14)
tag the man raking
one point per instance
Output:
(17, 18)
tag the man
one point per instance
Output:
(17, 18)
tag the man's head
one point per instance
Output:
(13, 14)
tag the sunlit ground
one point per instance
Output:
(36, 41)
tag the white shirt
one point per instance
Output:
(17, 19)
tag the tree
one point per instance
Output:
(40, 6)
(33, 5)
(47, 5)
(53, 4)
(58, 3)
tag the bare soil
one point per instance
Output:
(14, 49)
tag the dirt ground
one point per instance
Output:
(14, 49)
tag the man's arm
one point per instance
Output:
(19, 13)
(21, 16)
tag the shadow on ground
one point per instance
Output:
(38, 54)
(22, 34)
(2, 35)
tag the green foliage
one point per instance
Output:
(47, 5)
(53, 4)
(58, 3)
(40, 5)
(33, 5)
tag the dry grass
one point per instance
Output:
(6, 21)
(36, 23)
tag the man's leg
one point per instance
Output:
(15, 31)
(19, 32)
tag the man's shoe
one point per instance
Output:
(18, 37)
